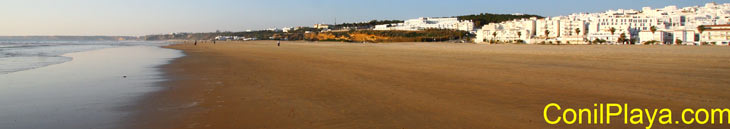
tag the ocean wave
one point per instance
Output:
(14, 64)
(24, 55)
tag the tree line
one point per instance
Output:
(486, 18)
(428, 35)
(364, 25)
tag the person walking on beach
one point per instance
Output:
(213, 41)
(278, 43)
(196, 42)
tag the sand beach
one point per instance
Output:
(425, 85)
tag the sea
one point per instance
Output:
(77, 84)
(22, 55)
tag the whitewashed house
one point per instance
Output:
(716, 34)
(423, 23)
(671, 24)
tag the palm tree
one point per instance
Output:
(622, 38)
(519, 34)
(613, 30)
(577, 31)
(495, 35)
(677, 42)
(547, 32)
(701, 28)
(652, 29)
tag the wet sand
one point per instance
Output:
(86, 92)
(427, 85)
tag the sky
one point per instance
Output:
(144, 17)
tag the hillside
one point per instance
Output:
(430, 35)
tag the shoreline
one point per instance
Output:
(148, 108)
(87, 92)
(448, 42)
(411, 85)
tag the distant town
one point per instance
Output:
(694, 25)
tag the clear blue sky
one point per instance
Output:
(142, 17)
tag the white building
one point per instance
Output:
(429, 23)
(286, 29)
(513, 31)
(274, 29)
(224, 38)
(671, 24)
(716, 34)
(322, 26)
(548, 28)
(687, 37)
(660, 37)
